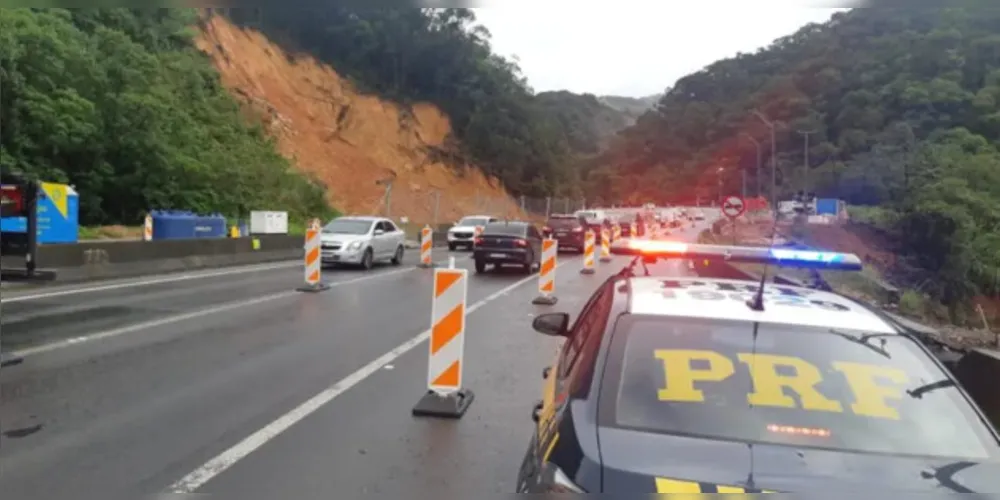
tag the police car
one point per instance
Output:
(700, 385)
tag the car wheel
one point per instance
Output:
(398, 258)
(480, 266)
(452, 247)
(368, 260)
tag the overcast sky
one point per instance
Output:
(636, 48)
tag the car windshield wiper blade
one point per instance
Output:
(933, 386)
(863, 341)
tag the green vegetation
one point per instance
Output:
(631, 107)
(903, 106)
(121, 104)
(585, 122)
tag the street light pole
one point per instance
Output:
(774, 161)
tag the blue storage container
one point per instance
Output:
(173, 224)
(827, 206)
(211, 226)
(58, 212)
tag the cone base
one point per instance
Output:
(427, 266)
(545, 300)
(8, 359)
(605, 259)
(587, 270)
(318, 287)
(453, 405)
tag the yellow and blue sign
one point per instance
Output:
(58, 211)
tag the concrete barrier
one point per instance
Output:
(97, 260)
(978, 372)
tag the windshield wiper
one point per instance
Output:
(933, 386)
(863, 341)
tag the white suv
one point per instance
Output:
(463, 233)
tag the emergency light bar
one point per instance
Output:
(783, 257)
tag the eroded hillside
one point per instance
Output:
(347, 140)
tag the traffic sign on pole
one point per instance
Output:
(733, 206)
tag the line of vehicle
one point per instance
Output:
(197, 478)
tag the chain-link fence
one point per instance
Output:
(414, 207)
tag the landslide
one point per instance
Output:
(348, 140)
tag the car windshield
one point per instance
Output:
(473, 221)
(587, 215)
(563, 222)
(505, 229)
(796, 386)
(348, 226)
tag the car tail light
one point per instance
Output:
(577, 229)
(521, 243)
(546, 229)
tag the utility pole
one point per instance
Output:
(774, 161)
(805, 159)
(757, 145)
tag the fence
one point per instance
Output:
(421, 206)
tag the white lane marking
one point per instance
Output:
(151, 281)
(30, 351)
(147, 282)
(197, 478)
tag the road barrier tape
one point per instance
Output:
(447, 341)
(605, 246)
(547, 273)
(313, 260)
(147, 228)
(588, 253)
(426, 244)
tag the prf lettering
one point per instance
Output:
(776, 378)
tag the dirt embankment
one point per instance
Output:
(347, 140)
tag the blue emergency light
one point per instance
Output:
(782, 257)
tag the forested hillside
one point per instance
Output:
(902, 110)
(631, 107)
(586, 123)
(122, 105)
(442, 57)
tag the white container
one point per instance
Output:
(265, 222)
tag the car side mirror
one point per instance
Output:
(552, 324)
(379, 232)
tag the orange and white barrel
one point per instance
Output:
(588, 253)
(313, 262)
(447, 341)
(605, 246)
(547, 271)
(426, 243)
(147, 228)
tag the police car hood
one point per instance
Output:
(676, 464)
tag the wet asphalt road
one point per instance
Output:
(128, 389)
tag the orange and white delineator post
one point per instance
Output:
(605, 246)
(588, 254)
(426, 244)
(313, 260)
(478, 231)
(547, 273)
(445, 396)
(617, 232)
(147, 228)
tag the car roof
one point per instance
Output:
(508, 223)
(478, 217)
(815, 308)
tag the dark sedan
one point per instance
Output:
(568, 230)
(508, 243)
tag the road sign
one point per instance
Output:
(733, 206)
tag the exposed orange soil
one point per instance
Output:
(345, 139)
